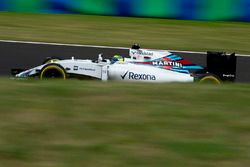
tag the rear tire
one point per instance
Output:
(53, 71)
(208, 78)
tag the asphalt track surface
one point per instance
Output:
(26, 55)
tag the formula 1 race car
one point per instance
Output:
(142, 65)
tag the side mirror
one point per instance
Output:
(135, 46)
(100, 57)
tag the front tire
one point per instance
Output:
(53, 71)
(51, 60)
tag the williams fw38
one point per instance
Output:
(142, 65)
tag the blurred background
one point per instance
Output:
(176, 9)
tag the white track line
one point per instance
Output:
(61, 44)
(96, 46)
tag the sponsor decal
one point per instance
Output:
(86, 69)
(123, 76)
(167, 63)
(229, 75)
(142, 52)
(75, 68)
(136, 76)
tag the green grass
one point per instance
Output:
(94, 123)
(123, 31)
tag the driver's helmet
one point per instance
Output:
(117, 58)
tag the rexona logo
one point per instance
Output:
(135, 76)
(167, 63)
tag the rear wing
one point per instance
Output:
(222, 64)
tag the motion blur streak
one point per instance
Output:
(182, 9)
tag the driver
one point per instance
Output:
(117, 58)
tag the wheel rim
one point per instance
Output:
(53, 72)
(210, 79)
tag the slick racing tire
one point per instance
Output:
(50, 60)
(208, 78)
(53, 71)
